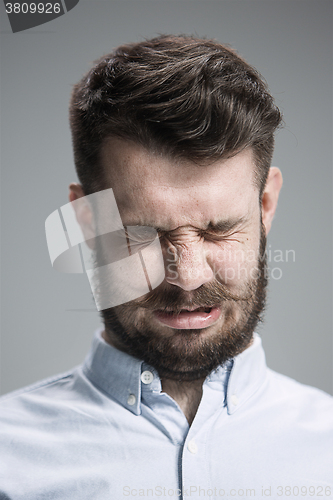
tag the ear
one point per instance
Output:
(83, 212)
(75, 191)
(270, 196)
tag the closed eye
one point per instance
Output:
(220, 236)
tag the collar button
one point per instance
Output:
(131, 400)
(147, 377)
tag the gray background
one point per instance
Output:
(46, 323)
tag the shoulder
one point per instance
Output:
(292, 388)
(51, 388)
(299, 401)
(52, 403)
(48, 382)
(32, 405)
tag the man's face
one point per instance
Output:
(209, 221)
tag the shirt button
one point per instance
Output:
(147, 377)
(234, 400)
(192, 447)
(131, 400)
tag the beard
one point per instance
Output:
(190, 354)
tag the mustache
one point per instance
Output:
(174, 298)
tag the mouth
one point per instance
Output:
(191, 318)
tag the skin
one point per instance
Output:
(186, 202)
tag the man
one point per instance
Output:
(175, 399)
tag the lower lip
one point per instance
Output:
(189, 319)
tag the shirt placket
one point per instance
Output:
(196, 481)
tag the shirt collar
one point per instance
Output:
(247, 375)
(119, 375)
(115, 373)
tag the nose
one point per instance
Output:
(186, 266)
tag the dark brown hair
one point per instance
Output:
(186, 97)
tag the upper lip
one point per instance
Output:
(189, 308)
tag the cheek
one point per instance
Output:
(232, 263)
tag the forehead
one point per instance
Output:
(152, 189)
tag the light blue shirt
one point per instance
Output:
(106, 431)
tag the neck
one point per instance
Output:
(186, 394)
